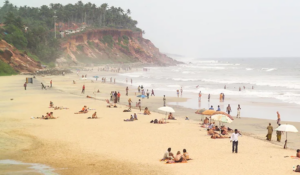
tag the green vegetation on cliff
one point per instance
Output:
(32, 28)
(5, 69)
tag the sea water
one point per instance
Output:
(271, 78)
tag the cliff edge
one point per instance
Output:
(104, 46)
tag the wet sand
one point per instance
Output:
(73, 144)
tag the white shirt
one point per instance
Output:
(234, 136)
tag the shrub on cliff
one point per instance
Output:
(5, 69)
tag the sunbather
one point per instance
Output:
(131, 118)
(51, 116)
(84, 110)
(171, 116)
(179, 157)
(210, 132)
(146, 111)
(94, 116)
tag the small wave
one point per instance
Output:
(269, 69)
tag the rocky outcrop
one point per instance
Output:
(112, 46)
(20, 62)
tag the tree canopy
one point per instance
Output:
(39, 38)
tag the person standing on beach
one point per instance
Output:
(127, 91)
(140, 105)
(83, 89)
(119, 95)
(225, 87)
(278, 133)
(228, 110)
(129, 103)
(278, 118)
(177, 93)
(181, 91)
(25, 85)
(270, 132)
(234, 139)
(223, 96)
(139, 89)
(200, 96)
(152, 92)
(164, 99)
(147, 94)
(208, 97)
(238, 111)
(51, 83)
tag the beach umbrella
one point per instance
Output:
(208, 112)
(224, 113)
(286, 128)
(221, 118)
(143, 96)
(166, 109)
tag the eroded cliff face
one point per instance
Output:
(112, 46)
(20, 62)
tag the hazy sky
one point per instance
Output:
(213, 28)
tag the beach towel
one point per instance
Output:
(80, 113)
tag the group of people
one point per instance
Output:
(132, 117)
(169, 157)
(115, 96)
(49, 115)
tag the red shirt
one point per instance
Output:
(119, 95)
(83, 87)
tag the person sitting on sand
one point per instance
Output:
(94, 116)
(298, 153)
(179, 157)
(171, 116)
(217, 128)
(168, 155)
(146, 111)
(206, 120)
(84, 109)
(74, 82)
(51, 104)
(186, 118)
(224, 130)
(186, 155)
(51, 116)
(131, 118)
(211, 125)
(135, 116)
(98, 91)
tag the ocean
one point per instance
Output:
(275, 79)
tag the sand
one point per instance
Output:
(73, 144)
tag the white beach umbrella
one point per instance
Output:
(166, 109)
(222, 118)
(286, 128)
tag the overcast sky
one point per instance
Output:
(213, 28)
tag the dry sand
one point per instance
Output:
(73, 144)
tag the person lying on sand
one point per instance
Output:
(51, 104)
(146, 111)
(217, 136)
(94, 116)
(171, 117)
(210, 132)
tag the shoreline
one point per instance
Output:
(74, 145)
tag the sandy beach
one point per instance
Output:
(73, 144)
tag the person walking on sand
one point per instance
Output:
(278, 133)
(270, 132)
(278, 118)
(152, 92)
(43, 86)
(25, 85)
(127, 91)
(228, 110)
(164, 99)
(83, 89)
(208, 97)
(235, 140)
(51, 83)
(238, 111)
(223, 96)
